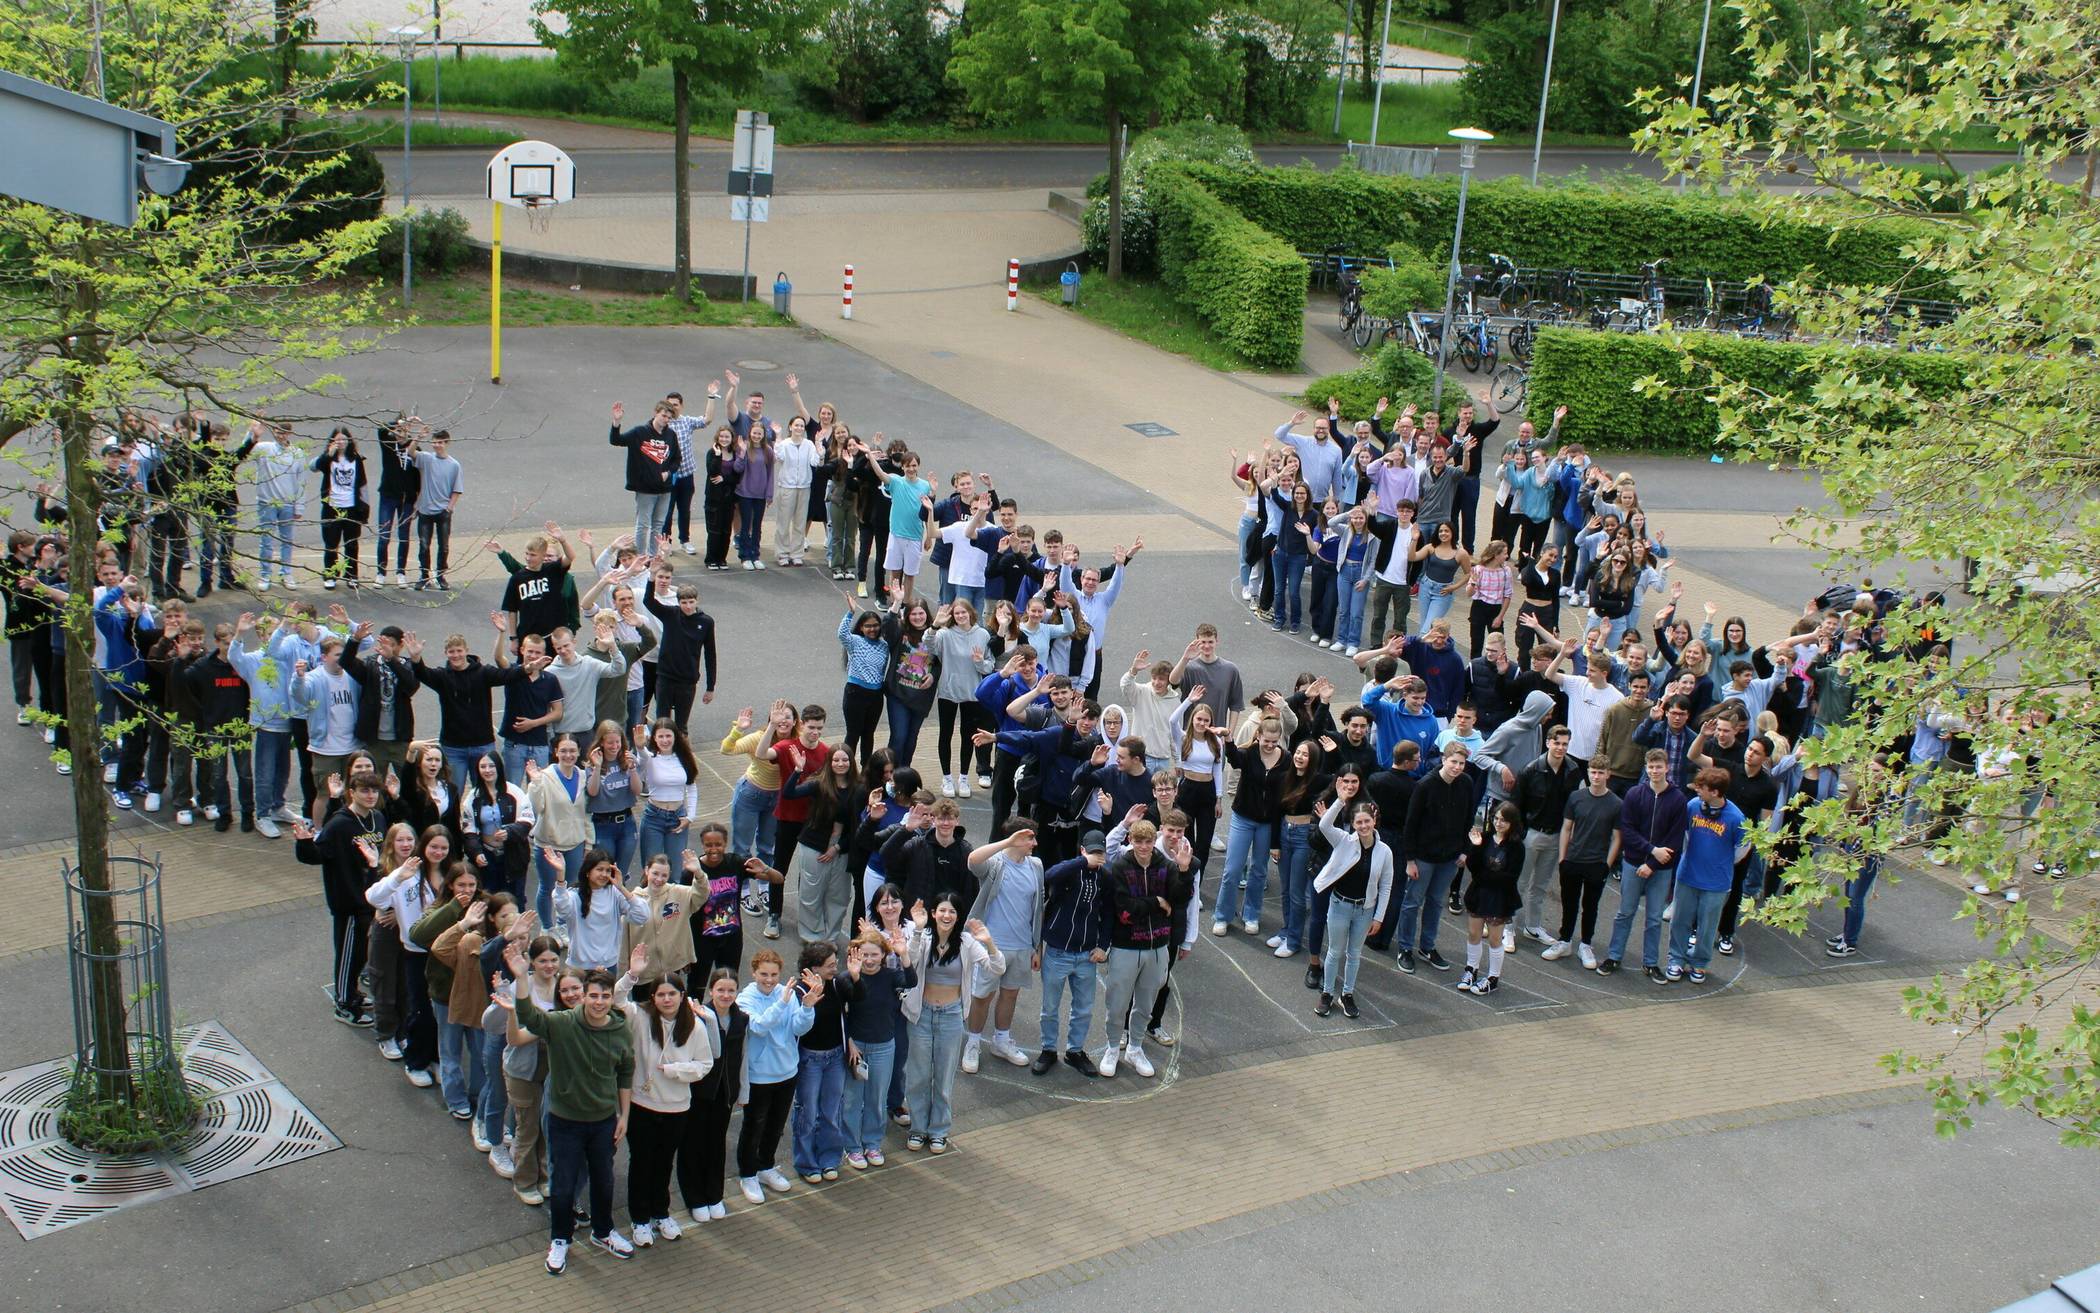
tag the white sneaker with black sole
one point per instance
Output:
(612, 1242)
(557, 1257)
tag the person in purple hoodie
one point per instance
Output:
(752, 463)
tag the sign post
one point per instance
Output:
(750, 179)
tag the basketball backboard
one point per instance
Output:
(531, 174)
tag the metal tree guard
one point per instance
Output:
(117, 960)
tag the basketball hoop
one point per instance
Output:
(534, 177)
(539, 215)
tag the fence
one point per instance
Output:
(1402, 161)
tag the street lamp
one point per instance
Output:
(1538, 137)
(1699, 67)
(405, 39)
(1378, 96)
(1469, 140)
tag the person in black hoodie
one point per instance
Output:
(1394, 792)
(1078, 922)
(688, 645)
(170, 762)
(1144, 883)
(1467, 436)
(927, 854)
(652, 466)
(465, 685)
(221, 698)
(400, 482)
(347, 851)
(344, 509)
(386, 681)
(1542, 796)
(1439, 817)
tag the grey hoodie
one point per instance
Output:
(1515, 742)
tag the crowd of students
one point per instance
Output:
(536, 917)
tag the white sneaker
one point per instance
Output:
(211, 812)
(716, 1212)
(1586, 957)
(670, 1228)
(1251, 927)
(287, 583)
(502, 1162)
(1106, 1063)
(704, 1214)
(1980, 890)
(262, 585)
(152, 802)
(1285, 950)
(947, 786)
(644, 1234)
(969, 1057)
(22, 716)
(267, 828)
(1349, 651)
(421, 1078)
(1217, 843)
(1004, 1048)
(284, 815)
(962, 786)
(758, 565)
(1561, 948)
(1219, 928)
(400, 579)
(1134, 1054)
(185, 817)
(1671, 910)
(2012, 895)
(1538, 936)
(750, 565)
(690, 550)
(612, 1242)
(557, 1257)
(774, 1179)
(753, 1191)
(983, 781)
(51, 736)
(1509, 938)
(390, 1049)
(481, 1142)
(123, 801)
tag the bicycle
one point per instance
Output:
(1348, 291)
(1707, 314)
(1510, 387)
(1477, 345)
(1499, 280)
(1643, 314)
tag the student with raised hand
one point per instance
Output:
(878, 971)
(590, 1074)
(671, 1052)
(686, 653)
(1358, 881)
(820, 1141)
(523, 1066)
(780, 1014)
(595, 914)
(1009, 901)
(653, 461)
(347, 850)
(946, 953)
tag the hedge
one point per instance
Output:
(1577, 226)
(1249, 285)
(1593, 375)
(1393, 371)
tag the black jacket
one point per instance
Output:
(464, 716)
(217, 691)
(399, 478)
(365, 670)
(361, 509)
(1439, 817)
(1542, 792)
(345, 874)
(917, 863)
(652, 457)
(688, 642)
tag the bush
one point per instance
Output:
(1392, 371)
(1246, 283)
(882, 59)
(1606, 52)
(1581, 226)
(351, 190)
(440, 243)
(1411, 284)
(1205, 141)
(1593, 375)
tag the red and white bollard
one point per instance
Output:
(846, 305)
(1013, 284)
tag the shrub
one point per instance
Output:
(1246, 283)
(1411, 284)
(1211, 143)
(1392, 371)
(440, 243)
(1593, 375)
(881, 59)
(351, 190)
(1581, 226)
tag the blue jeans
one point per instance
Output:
(515, 755)
(460, 761)
(395, 518)
(491, 1102)
(273, 521)
(1080, 971)
(459, 1082)
(750, 525)
(1856, 891)
(1248, 524)
(1347, 924)
(572, 870)
(618, 834)
(867, 1101)
(904, 730)
(1246, 857)
(820, 1093)
(1349, 616)
(1288, 610)
(273, 755)
(1700, 910)
(650, 510)
(637, 707)
(971, 593)
(930, 1067)
(1297, 882)
(1436, 602)
(751, 828)
(579, 1151)
(659, 833)
(1421, 906)
(1634, 889)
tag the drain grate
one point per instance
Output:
(248, 1123)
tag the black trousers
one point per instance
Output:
(654, 1142)
(711, 951)
(300, 740)
(674, 699)
(420, 1022)
(439, 526)
(1480, 619)
(340, 530)
(1549, 616)
(1729, 909)
(785, 836)
(971, 716)
(352, 930)
(863, 711)
(1581, 886)
(875, 538)
(1005, 765)
(29, 655)
(717, 512)
(704, 1153)
(765, 1117)
(681, 511)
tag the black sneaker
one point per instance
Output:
(1608, 966)
(346, 1016)
(1349, 1007)
(1453, 905)
(1697, 976)
(1465, 982)
(223, 824)
(422, 585)
(1407, 960)
(1655, 973)
(1325, 1006)
(442, 586)
(1841, 949)
(1725, 946)
(1078, 1061)
(1044, 1061)
(247, 825)
(1314, 974)
(1489, 986)
(1437, 960)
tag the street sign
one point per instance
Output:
(750, 178)
(752, 208)
(753, 149)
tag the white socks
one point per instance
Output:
(1495, 960)
(1472, 957)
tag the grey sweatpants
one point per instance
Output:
(1541, 873)
(1133, 973)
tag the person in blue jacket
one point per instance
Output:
(1399, 709)
(780, 1015)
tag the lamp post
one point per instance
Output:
(405, 39)
(1699, 67)
(1385, 37)
(1341, 70)
(1538, 137)
(1469, 140)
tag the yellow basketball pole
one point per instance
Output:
(496, 292)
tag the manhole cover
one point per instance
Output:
(247, 1122)
(759, 366)
(1148, 429)
(942, 355)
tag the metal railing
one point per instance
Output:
(1399, 161)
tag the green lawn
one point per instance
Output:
(464, 299)
(1420, 115)
(386, 135)
(1148, 312)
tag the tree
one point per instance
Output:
(1111, 60)
(2000, 474)
(727, 45)
(218, 295)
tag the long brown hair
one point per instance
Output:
(681, 1026)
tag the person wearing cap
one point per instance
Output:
(1078, 918)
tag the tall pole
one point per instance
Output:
(408, 174)
(495, 291)
(437, 65)
(750, 201)
(1538, 137)
(1385, 37)
(1468, 151)
(1341, 68)
(1699, 68)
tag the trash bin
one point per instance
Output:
(1069, 282)
(781, 288)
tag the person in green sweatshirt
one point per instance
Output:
(590, 1073)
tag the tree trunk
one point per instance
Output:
(1115, 192)
(1368, 52)
(287, 59)
(681, 187)
(90, 804)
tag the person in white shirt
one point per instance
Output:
(1590, 695)
(795, 460)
